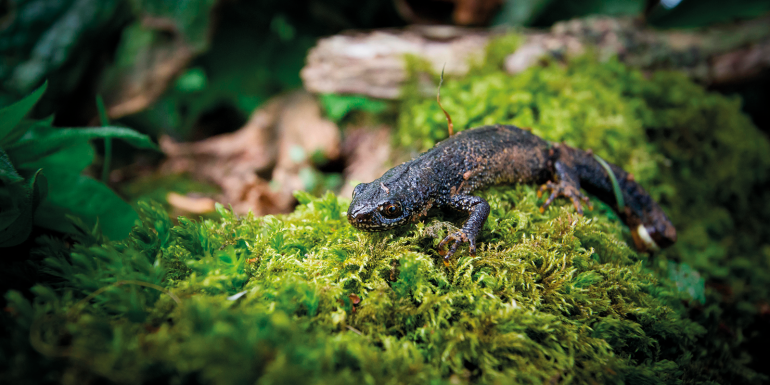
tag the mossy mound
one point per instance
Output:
(550, 297)
(306, 298)
(693, 150)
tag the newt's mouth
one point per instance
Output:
(368, 220)
(363, 220)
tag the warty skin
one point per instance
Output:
(446, 175)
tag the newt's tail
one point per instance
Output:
(650, 227)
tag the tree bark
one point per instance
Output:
(373, 63)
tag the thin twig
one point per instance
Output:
(438, 99)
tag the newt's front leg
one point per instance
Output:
(478, 211)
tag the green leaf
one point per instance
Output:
(9, 210)
(8, 173)
(21, 129)
(64, 154)
(43, 141)
(69, 160)
(89, 199)
(80, 195)
(12, 115)
(25, 197)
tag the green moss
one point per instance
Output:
(550, 297)
(693, 150)
(498, 48)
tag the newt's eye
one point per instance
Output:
(392, 210)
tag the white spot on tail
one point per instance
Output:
(646, 238)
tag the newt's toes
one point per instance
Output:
(548, 186)
(562, 189)
(553, 188)
(455, 239)
(576, 201)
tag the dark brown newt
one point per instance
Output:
(446, 175)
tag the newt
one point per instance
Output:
(446, 175)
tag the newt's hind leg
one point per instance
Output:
(567, 186)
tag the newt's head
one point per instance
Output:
(376, 208)
(654, 230)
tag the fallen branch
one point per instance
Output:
(372, 63)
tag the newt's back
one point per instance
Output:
(489, 155)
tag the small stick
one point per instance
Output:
(438, 99)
